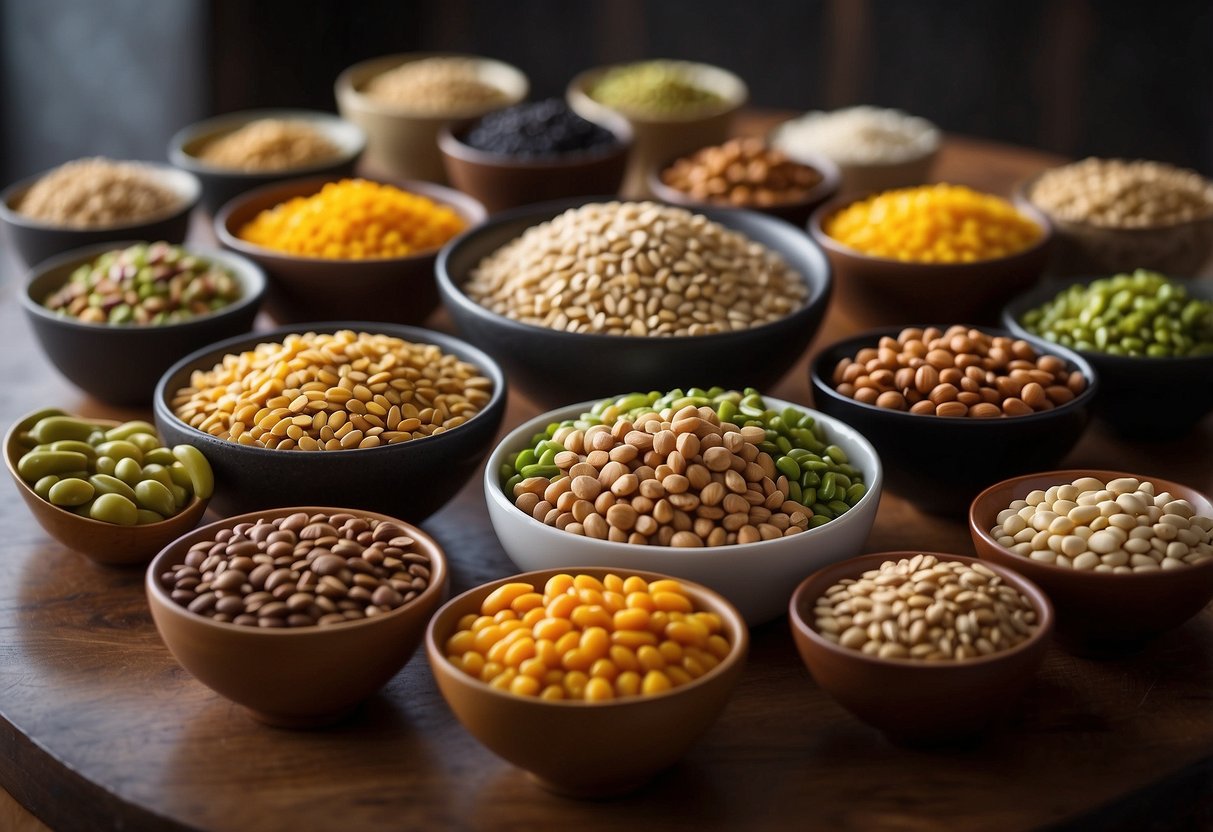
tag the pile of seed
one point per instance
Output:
(639, 269)
(538, 130)
(741, 172)
(925, 609)
(859, 136)
(94, 193)
(269, 144)
(300, 571)
(435, 86)
(654, 88)
(1120, 527)
(1120, 194)
(333, 391)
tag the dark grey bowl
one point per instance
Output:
(1139, 397)
(221, 184)
(121, 364)
(35, 241)
(410, 480)
(940, 464)
(556, 367)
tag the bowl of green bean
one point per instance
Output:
(1148, 336)
(743, 493)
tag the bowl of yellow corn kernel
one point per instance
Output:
(357, 249)
(930, 250)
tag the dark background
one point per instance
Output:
(1078, 77)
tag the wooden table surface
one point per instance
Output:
(101, 729)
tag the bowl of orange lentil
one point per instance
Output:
(357, 249)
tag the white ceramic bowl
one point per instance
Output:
(758, 578)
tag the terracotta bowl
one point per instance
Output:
(293, 677)
(882, 291)
(391, 289)
(939, 463)
(579, 748)
(915, 702)
(1098, 612)
(104, 543)
(121, 364)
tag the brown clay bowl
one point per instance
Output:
(390, 289)
(580, 748)
(293, 677)
(1098, 612)
(104, 543)
(914, 702)
(882, 291)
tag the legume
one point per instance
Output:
(96, 193)
(435, 86)
(333, 392)
(702, 468)
(300, 571)
(120, 475)
(1119, 527)
(354, 219)
(1142, 314)
(653, 88)
(144, 285)
(267, 144)
(933, 224)
(638, 269)
(1123, 194)
(858, 136)
(585, 639)
(741, 172)
(957, 372)
(537, 130)
(925, 609)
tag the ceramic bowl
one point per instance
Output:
(550, 365)
(796, 212)
(220, 184)
(663, 137)
(758, 578)
(391, 289)
(581, 748)
(104, 543)
(297, 676)
(404, 144)
(410, 479)
(1097, 612)
(939, 463)
(917, 702)
(881, 291)
(501, 182)
(1180, 389)
(121, 364)
(35, 240)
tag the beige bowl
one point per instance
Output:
(405, 144)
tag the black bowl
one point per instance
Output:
(1138, 397)
(555, 367)
(410, 480)
(940, 464)
(121, 364)
(35, 240)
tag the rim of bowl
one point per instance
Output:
(738, 649)
(451, 142)
(1048, 289)
(732, 90)
(183, 184)
(345, 86)
(831, 180)
(482, 361)
(439, 574)
(467, 207)
(542, 212)
(1040, 601)
(873, 482)
(1022, 190)
(1064, 477)
(250, 275)
(347, 137)
(833, 206)
(871, 337)
(10, 448)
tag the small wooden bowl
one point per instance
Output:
(105, 543)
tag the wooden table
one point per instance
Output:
(101, 729)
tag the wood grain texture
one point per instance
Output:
(101, 729)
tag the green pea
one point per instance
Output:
(71, 492)
(74, 445)
(537, 470)
(128, 470)
(855, 493)
(159, 456)
(508, 487)
(114, 508)
(121, 449)
(787, 466)
(159, 473)
(179, 475)
(144, 517)
(202, 479)
(525, 459)
(818, 520)
(155, 496)
(128, 430)
(837, 454)
(105, 484)
(105, 465)
(181, 494)
(145, 442)
(43, 486)
(838, 507)
(54, 428)
(35, 465)
(808, 496)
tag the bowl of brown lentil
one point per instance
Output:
(389, 418)
(298, 614)
(925, 647)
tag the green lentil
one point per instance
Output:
(656, 87)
